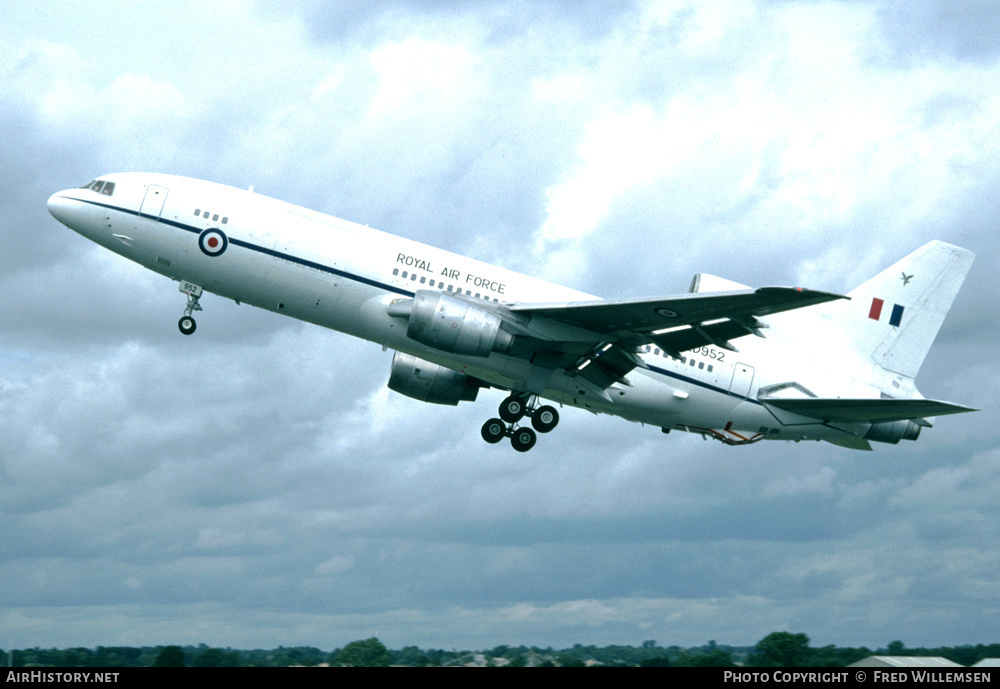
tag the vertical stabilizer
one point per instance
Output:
(895, 316)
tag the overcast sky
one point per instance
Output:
(257, 484)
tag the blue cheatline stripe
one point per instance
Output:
(897, 315)
(263, 250)
(701, 384)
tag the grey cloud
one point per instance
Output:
(255, 484)
(965, 29)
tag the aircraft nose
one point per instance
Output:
(60, 207)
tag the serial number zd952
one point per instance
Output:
(710, 352)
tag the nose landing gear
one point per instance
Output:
(187, 324)
(512, 410)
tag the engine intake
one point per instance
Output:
(446, 322)
(428, 382)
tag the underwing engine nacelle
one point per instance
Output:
(446, 322)
(893, 431)
(428, 382)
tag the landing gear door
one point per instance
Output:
(742, 379)
(152, 202)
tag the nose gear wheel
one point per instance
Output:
(187, 323)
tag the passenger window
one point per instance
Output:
(405, 273)
(215, 217)
(450, 288)
(197, 212)
(225, 220)
(423, 280)
(395, 271)
(701, 364)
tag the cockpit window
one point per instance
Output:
(100, 186)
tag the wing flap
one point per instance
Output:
(676, 341)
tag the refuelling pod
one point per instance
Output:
(428, 382)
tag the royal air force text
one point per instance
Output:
(452, 274)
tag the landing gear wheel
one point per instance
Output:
(494, 430)
(513, 408)
(523, 439)
(193, 292)
(544, 419)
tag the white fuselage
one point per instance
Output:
(343, 276)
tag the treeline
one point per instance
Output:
(779, 649)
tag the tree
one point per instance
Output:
(659, 661)
(170, 656)
(216, 657)
(411, 656)
(781, 649)
(714, 658)
(366, 653)
(569, 660)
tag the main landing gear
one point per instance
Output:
(186, 323)
(512, 410)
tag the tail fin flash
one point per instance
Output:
(897, 314)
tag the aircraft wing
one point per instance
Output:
(865, 410)
(693, 320)
(646, 315)
(676, 324)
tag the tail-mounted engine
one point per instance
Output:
(451, 324)
(428, 382)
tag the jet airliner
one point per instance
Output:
(722, 360)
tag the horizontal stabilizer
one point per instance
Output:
(866, 410)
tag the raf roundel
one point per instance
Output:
(213, 242)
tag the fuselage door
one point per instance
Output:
(152, 202)
(742, 379)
